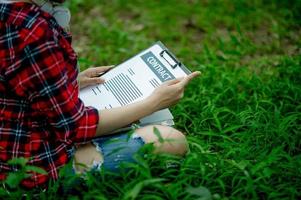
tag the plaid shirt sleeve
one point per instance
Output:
(54, 89)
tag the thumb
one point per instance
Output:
(188, 78)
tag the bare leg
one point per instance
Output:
(175, 141)
(86, 154)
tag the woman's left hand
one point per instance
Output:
(91, 76)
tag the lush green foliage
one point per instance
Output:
(242, 117)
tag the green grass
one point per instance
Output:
(242, 116)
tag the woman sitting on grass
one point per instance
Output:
(41, 115)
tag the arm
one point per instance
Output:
(115, 118)
(49, 83)
(164, 96)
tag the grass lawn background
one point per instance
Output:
(242, 116)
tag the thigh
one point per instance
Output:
(117, 148)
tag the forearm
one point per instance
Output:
(112, 119)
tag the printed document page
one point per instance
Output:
(131, 81)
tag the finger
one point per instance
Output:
(94, 81)
(188, 78)
(95, 71)
(173, 81)
(101, 69)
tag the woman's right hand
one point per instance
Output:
(170, 92)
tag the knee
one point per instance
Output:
(85, 156)
(174, 141)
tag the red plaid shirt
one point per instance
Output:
(41, 116)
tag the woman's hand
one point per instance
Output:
(91, 76)
(164, 96)
(170, 92)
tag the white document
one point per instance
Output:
(135, 79)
